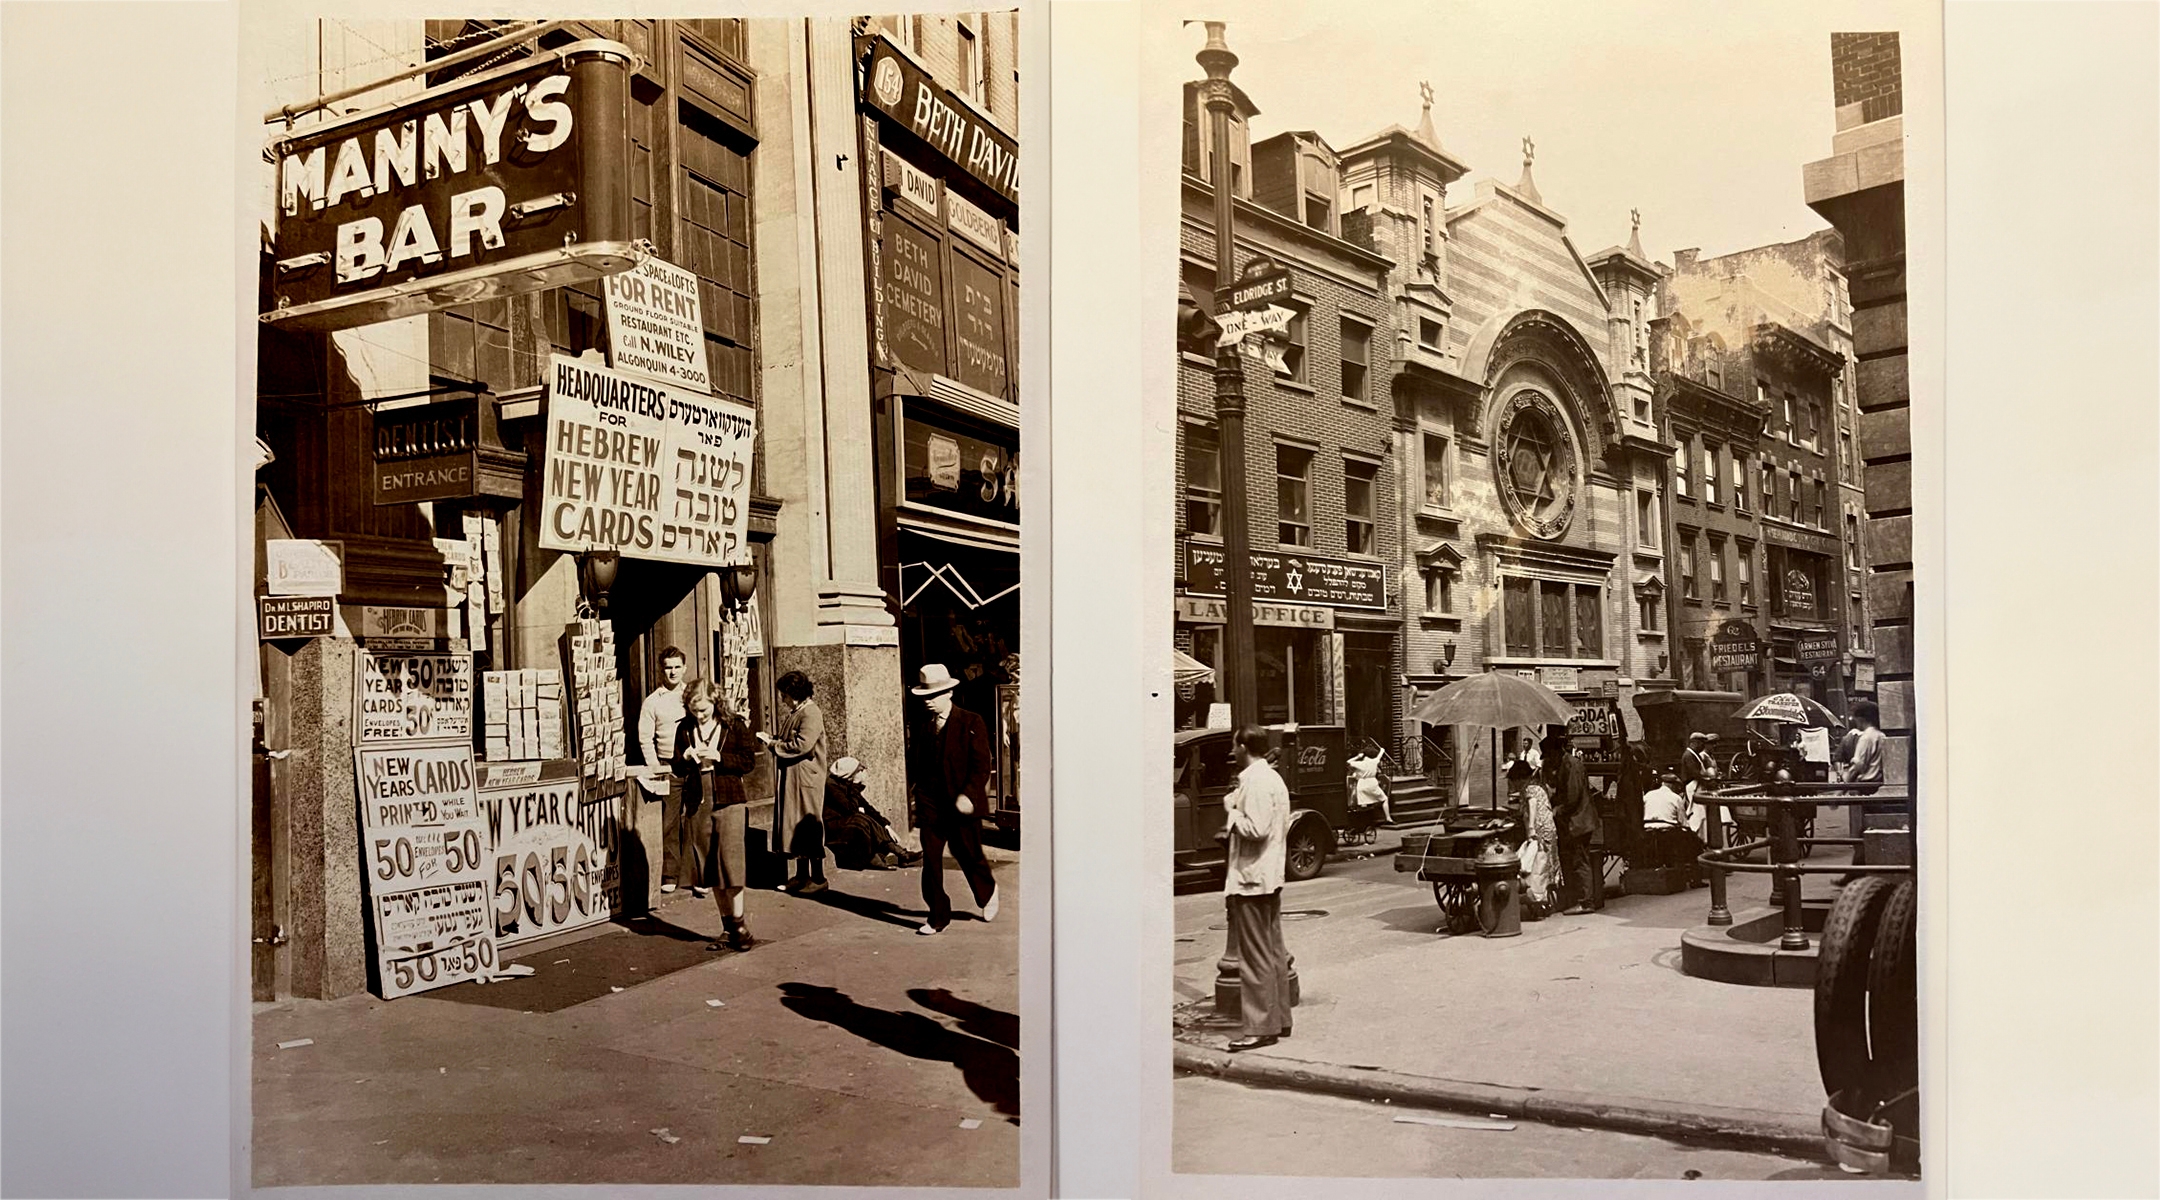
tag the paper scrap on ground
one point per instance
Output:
(664, 1135)
(516, 969)
(614, 989)
(751, 1139)
(296, 1042)
(715, 1004)
(971, 1123)
(1501, 1126)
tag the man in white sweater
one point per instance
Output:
(1256, 815)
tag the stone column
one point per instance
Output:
(329, 916)
(853, 658)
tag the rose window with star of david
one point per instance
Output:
(1536, 464)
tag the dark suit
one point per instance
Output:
(1575, 812)
(943, 766)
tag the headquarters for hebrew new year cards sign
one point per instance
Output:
(644, 469)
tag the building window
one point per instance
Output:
(1710, 470)
(1358, 530)
(1439, 591)
(1682, 468)
(1316, 212)
(1361, 197)
(1589, 623)
(1814, 426)
(1356, 347)
(1792, 427)
(1688, 587)
(1646, 611)
(1844, 454)
(1293, 355)
(1436, 471)
(1822, 505)
(1769, 487)
(905, 30)
(1428, 333)
(1545, 618)
(1859, 622)
(1792, 500)
(974, 79)
(1852, 541)
(1744, 562)
(1717, 569)
(1519, 616)
(1739, 481)
(1552, 618)
(1293, 496)
(1203, 482)
(1646, 518)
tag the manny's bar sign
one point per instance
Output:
(895, 86)
(507, 181)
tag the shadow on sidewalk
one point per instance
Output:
(986, 1023)
(991, 1071)
(640, 950)
(871, 907)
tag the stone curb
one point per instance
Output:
(1740, 1128)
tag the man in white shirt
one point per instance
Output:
(1664, 805)
(1866, 765)
(658, 720)
(1256, 815)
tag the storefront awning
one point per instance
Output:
(977, 573)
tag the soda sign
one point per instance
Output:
(501, 182)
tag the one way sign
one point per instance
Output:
(1237, 326)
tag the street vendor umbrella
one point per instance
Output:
(1496, 702)
(1184, 669)
(1787, 708)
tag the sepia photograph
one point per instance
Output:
(1543, 761)
(636, 787)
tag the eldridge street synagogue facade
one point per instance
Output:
(632, 335)
(1463, 414)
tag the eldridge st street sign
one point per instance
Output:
(508, 181)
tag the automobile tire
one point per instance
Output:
(1893, 1002)
(1306, 851)
(1841, 1037)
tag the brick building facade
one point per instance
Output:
(1323, 477)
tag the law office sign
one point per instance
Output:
(494, 184)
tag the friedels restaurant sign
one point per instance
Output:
(906, 93)
(507, 181)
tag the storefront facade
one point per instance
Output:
(514, 504)
(1322, 477)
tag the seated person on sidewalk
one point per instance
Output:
(1672, 827)
(859, 835)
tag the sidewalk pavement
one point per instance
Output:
(1584, 1019)
(856, 1046)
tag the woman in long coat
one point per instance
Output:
(713, 751)
(798, 751)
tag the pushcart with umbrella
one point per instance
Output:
(1774, 724)
(1448, 858)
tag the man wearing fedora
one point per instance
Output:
(949, 771)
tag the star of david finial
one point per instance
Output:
(1529, 151)
(1425, 93)
(1634, 216)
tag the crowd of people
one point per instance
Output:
(698, 752)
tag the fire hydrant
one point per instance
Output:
(1499, 881)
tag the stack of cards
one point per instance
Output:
(597, 691)
(523, 711)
